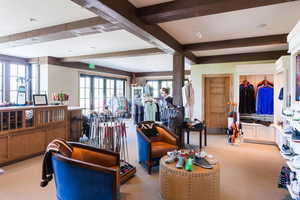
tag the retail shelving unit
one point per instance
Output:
(290, 101)
(26, 131)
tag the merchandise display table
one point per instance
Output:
(179, 184)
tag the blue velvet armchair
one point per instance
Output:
(90, 173)
(152, 148)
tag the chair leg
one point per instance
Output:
(149, 170)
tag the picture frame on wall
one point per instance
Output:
(40, 99)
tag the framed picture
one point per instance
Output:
(40, 99)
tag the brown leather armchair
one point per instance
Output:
(152, 148)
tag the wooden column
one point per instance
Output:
(178, 78)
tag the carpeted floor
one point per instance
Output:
(248, 172)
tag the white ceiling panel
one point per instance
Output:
(107, 42)
(153, 63)
(268, 20)
(15, 15)
(143, 3)
(241, 50)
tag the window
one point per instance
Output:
(96, 91)
(34, 79)
(1, 82)
(120, 88)
(98, 94)
(110, 89)
(17, 78)
(167, 84)
(155, 86)
(85, 92)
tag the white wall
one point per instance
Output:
(54, 79)
(198, 72)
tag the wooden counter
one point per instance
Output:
(25, 131)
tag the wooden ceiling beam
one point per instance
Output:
(237, 43)
(78, 65)
(162, 73)
(120, 54)
(62, 31)
(182, 9)
(124, 13)
(243, 57)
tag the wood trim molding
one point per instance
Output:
(182, 9)
(162, 73)
(257, 56)
(120, 54)
(123, 12)
(236, 43)
(62, 31)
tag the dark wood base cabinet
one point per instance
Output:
(26, 131)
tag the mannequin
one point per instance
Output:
(188, 99)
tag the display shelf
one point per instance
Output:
(289, 163)
(285, 156)
(293, 195)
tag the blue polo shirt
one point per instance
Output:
(265, 101)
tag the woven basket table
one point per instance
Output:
(179, 184)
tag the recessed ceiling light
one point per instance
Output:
(261, 25)
(32, 19)
(70, 51)
(93, 47)
(199, 35)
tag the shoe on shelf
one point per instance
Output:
(189, 164)
(202, 162)
(1, 171)
(180, 162)
(172, 157)
(296, 136)
(288, 112)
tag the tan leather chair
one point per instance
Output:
(152, 148)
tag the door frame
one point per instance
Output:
(231, 85)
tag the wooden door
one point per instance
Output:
(217, 95)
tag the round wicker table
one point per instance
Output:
(179, 184)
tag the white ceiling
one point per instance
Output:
(151, 63)
(114, 41)
(15, 14)
(241, 50)
(143, 3)
(279, 18)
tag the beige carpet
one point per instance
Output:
(248, 172)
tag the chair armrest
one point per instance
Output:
(144, 146)
(166, 135)
(93, 155)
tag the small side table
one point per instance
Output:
(179, 184)
(201, 130)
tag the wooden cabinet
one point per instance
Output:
(259, 133)
(3, 148)
(26, 131)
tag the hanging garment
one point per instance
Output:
(281, 94)
(265, 100)
(188, 100)
(247, 99)
(157, 116)
(150, 111)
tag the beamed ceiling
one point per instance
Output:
(142, 35)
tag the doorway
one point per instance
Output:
(217, 94)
